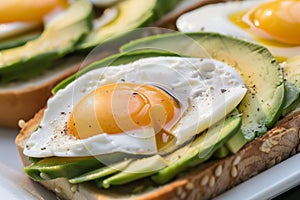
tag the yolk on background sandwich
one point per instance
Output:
(183, 116)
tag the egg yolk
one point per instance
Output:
(28, 10)
(275, 20)
(117, 108)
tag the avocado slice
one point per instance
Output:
(262, 75)
(55, 167)
(59, 37)
(292, 71)
(200, 150)
(135, 170)
(291, 98)
(292, 76)
(18, 40)
(101, 172)
(132, 14)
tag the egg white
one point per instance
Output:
(215, 18)
(206, 89)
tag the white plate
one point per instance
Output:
(14, 184)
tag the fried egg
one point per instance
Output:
(19, 16)
(273, 24)
(137, 108)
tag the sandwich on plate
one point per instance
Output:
(171, 116)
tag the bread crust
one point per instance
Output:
(202, 182)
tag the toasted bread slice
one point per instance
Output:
(203, 182)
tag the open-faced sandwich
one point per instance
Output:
(41, 43)
(172, 116)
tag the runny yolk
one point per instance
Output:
(275, 20)
(117, 108)
(28, 10)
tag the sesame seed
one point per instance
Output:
(218, 171)
(57, 190)
(21, 123)
(237, 160)
(233, 172)
(204, 180)
(189, 186)
(212, 181)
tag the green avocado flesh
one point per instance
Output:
(51, 168)
(291, 97)
(59, 37)
(292, 76)
(258, 111)
(18, 40)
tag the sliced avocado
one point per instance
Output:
(18, 40)
(132, 14)
(101, 172)
(59, 37)
(51, 168)
(136, 170)
(291, 98)
(261, 73)
(200, 150)
(292, 71)
(114, 60)
(292, 76)
(236, 142)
